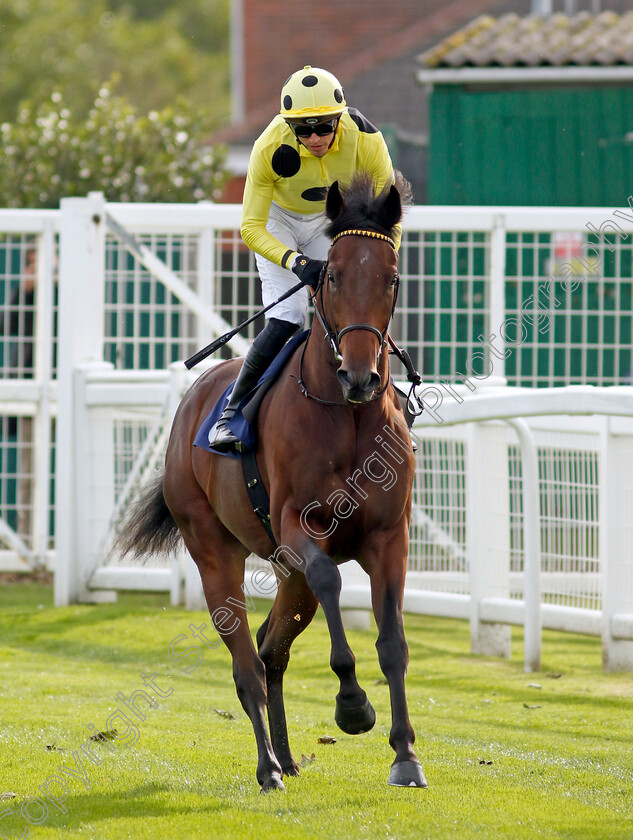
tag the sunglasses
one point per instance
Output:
(321, 129)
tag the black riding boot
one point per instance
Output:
(263, 350)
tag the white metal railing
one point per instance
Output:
(484, 589)
(489, 294)
(468, 273)
(614, 433)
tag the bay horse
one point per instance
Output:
(335, 456)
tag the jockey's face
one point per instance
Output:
(316, 144)
(317, 137)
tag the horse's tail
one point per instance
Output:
(148, 527)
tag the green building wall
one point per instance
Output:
(563, 145)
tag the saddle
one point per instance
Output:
(243, 425)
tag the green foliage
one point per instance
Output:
(51, 152)
(505, 758)
(205, 22)
(161, 51)
(64, 132)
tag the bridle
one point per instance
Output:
(334, 336)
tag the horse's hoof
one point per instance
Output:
(407, 774)
(290, 770)
(356, 719)
(274, 783)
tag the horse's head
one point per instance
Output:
(361, 281)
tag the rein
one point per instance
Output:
(334, 337)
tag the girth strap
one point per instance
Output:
(256, 491)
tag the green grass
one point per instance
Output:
(558, 760)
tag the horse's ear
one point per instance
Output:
(392, 207)
(334, 202)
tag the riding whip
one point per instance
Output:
(222, 340)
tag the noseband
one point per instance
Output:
(331, 334)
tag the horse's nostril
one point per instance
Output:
(372, 381)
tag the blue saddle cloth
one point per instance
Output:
(238, 424)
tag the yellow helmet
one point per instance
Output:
(311, 92)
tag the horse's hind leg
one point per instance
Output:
(220, 560)
(292, 611)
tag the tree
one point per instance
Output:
(50, 153)
(161, 50)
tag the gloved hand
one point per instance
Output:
(309, 271)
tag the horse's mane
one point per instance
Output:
(364, 209)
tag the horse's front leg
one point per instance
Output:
(385, 560)
(354, 713)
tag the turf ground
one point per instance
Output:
(507, 755)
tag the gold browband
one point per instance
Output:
(372, 233)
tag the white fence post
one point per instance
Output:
(44, 291)
(531, 547)
(193, 594)
(81, 337)
(616, 546)
(488, 532)
(206, 283)
(94, 477)
(497, 287)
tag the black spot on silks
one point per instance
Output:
(338, 95)
(314, 194)
(309, 81)
(287, 102)
(362, 122)
(286, 161)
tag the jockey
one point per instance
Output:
(314, 140)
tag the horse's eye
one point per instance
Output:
(330, 278)
(394, 280)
